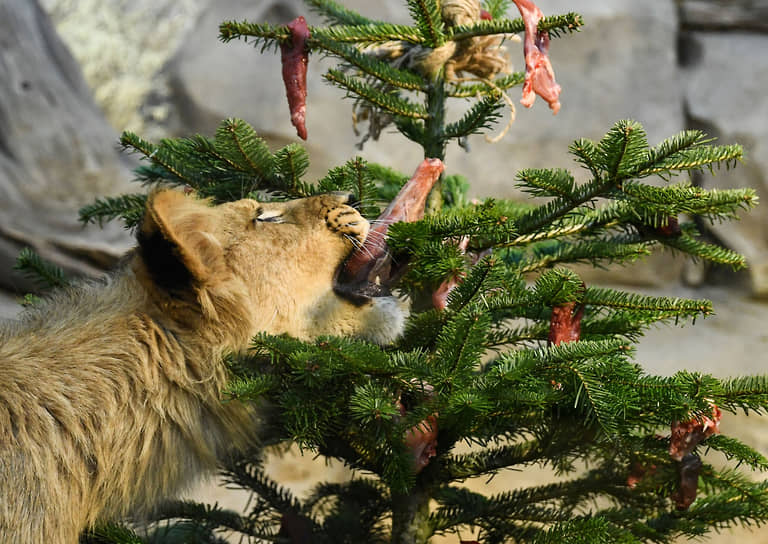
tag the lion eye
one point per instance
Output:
(269, 217)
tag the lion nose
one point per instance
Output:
(350, 199)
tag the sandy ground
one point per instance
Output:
(732, 342)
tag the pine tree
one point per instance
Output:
(525, 363)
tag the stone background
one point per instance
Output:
(156, 67)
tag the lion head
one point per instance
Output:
(260, 267)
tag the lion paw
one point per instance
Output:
(348, 221)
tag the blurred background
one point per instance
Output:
(75, 73)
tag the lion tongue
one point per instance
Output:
(369, 266)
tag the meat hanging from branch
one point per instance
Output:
(372, 261)
(688, 471)
(294, 56)
(444, 290)
(565, 323)
(539, 75)
(686, 435)
(421, 440)
(440, 295)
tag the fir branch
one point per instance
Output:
(587, 154)
(482, 115)
(552, 233)
(239, 144)
(110, 534)
(559, 286)
(44, 273)
(746, 503)
(459, 506)
(291, 163)
(622, 149)
(671, 147)
(618, 300)
(429, 21)
(371, 405)
(485, 28)
(497, 8)
(387, 175)
(130, 208)
(487, 221)
(747, 393)
(253, 388)
(695, 158)
(379, 69)
(387, 102)
(369, 34)
(515, 336)
(455, 188)
(485, 276)
(623, 326)
(355, 177)
(573, 365)
(555, 355)
(489, 461)
(547, 214)
(660, 203)
(592, 530)
(554, 25)
(129, 140)
(708, 252)
(734, 482)
(206, 515)
(387, 180)
(734, 449)
(335, 13)
(273, 35)
(596, 252)
(265, 34)
(352, 511)
(482, 88)
(459, 346)
(546, 183)
(162, 156)
(247, 475)
(413, 129)
(209, 149)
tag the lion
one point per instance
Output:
(110, 393)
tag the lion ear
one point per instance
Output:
(176, 240)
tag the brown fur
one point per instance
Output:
(110, 394)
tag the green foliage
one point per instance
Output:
(374, 80)
(478, 118)
(236, 164)
(44, 273)
(497, 8)
(129, 208)
(482, 372)
(554, 25)
(376, 68)
(110, 534)
(337, 14)
(353, 177)
(485, 367)
(429, 21)
(387, 102)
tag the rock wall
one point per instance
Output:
(673, 65)
(57, 152)
(724, 63)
